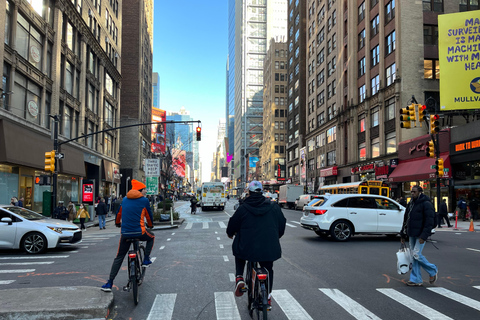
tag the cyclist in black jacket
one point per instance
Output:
(258, 224)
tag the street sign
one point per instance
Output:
(152, 167)
(433, 166)
(446, 169)
(152, 185)
(60, 156)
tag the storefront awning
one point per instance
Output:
(419, 169)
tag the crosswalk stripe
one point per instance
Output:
(290, 306)
(414, 305)
(6, 281)
(222, 224)
(232, 277)
(350, 305)
(189, 225)
(162, 308)
(24, 263)
(226, 307)
(297, 222)
(34, 257)
(17, 271)
(476, 287)
(205, 225)
(290, 225)
(225, 258)
(457, 297)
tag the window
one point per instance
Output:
(430, 35)
(331, 158)
(374, 26)
(361, 39)
(433, 5)
(389, 11)
(362, 152)
(29, 43)
(361, 94)
(390, 109)
(468, 5)
(69, 73)
(332, 134)
(373, 3)
(431, 69)
(109, 114)
(8, 23)
(320, 57)
(390, 143)
(321, 98)
(321, 36)
(320, 77)
(374, 117)
(375, 147)
(375, 56)
(276, 124)
(67, 122)
(297, 118)
(26, 101)
(109, 84)
(361, 67)
(361, 12)
(375, 84)
(361, 123)
(320, 119)
(390, 41)
(91, 97)
(390, 73)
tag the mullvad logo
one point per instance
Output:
(475, 85)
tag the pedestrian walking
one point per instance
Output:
(101, 211)
(20, 202)
(72, 211)
(403, 202)
(82, 215)
(14, 201)
(473, 209)
(117, 204)
(462, 205)
(418, 222)
(443, 214)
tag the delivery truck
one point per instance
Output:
(288, 194)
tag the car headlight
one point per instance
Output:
(56, 229)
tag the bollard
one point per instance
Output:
(171, 216)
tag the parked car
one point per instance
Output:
(24, 229)
(344, 215)
(304, 199)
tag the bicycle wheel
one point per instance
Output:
(133, 280)
(248, 283)
(141, 271)
(264, 298)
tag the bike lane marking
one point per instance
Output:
(350, 305)
(290, 306)
(226, 307)
(413, 304)
(162, 308)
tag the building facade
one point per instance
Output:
(61, 60)
(156, 90)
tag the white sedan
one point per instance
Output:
(24, 229)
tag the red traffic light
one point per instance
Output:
(424, 107)
(199, 129)
(199, 133)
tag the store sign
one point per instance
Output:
(35, 54)
(333, 171)
(382, 172)
(87, 194)
(32, 108)
(365, 168)
(466, 146)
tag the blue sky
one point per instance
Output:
(190, 47)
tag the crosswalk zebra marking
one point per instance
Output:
(225, 306)
(225, 258)
(290, 306)
(34, 257)
(162, 247)
(222, 224)
(476, 287)
(189, 226)
(457, 297)
(6, 281)
(350, 305)
(297, 222)
(414, 305)
(162, 308)
(17, 271)
(25, 263)
(290, 225)
(221, 246)
(205, 225)
(232, 277)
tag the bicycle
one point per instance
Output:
(136, 272)
(256, 286)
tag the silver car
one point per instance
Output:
(24, 229)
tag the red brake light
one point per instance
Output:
(262, 276)
(318, 212)
(132, 255)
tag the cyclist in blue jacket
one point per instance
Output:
(135, 208)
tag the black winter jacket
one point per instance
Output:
(258, 224)
(101, 209)
(419, 219)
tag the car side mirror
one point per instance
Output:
(7, 220)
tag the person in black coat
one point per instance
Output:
(443, 214)
(101, 211)
(418, 223)
(257, 225)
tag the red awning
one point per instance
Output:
(419, 169)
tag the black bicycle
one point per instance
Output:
(256, 286)
(136, 272)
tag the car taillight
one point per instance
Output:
(318, 212)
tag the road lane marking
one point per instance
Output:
(232, 277)
(169, 239)
(162, 308)
(477, 287)
(6, 281)
(205, 225)
(222, 224)
(225, 306)
(413, 304)
(34, 257)
(24, 263)
(473, 249)
(225, 258)
(221, 246)
(297, 222)
(162, 247)
(350, 305)
(457, 297)
(218, 238)
(189, 225)
(290, 225)
(290, 306)
(173, 234)
(17, 271)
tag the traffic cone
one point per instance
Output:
(471, 226)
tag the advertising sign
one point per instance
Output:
(87, 193)
(152, 185)
(158, 131)
(459, 54)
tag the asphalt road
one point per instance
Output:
(192, 275)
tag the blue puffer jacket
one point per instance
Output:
(135, 208)
(419, 219)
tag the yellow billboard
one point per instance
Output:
(459, 55)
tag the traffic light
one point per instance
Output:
(199, 134)
(434, 129)
(50, 161)
(422, 114)
(430, 150)
(405, 116)
(439, 164)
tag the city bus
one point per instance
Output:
(362, 187)
(213, 195)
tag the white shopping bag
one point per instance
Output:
(404, 259)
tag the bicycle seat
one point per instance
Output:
(132, 240)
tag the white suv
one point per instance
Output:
(343, 215)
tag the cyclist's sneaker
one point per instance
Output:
(269, 307)
(107, 287)
(240, 286)
(146, 261)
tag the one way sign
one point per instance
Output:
(60, 156)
